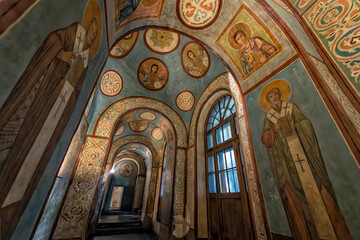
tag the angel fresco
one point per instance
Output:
(195, 60)
(123, 8)
(152, 74)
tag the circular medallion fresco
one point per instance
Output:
(110, 83)
(124, 46)
(161, 41)
(157, 134)
(126, 170)
(138, 125)
(195, 60)
(147, 116)
(120, 131)
(152, 74)
(185, 101)
(198, 14)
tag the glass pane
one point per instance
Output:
(230, 158)
(224, 186)
(227, 114)
(219, 136)
(216, 107)
(222, 112)
(233, 181)
(222, 102)
(227, 131)
(233, 109)
(212, 184)
(227, 98)
(211, 167)
(209, 139)
(221, 160)
(231, 103)
(216, 122)
(209, 126)
(236, 127)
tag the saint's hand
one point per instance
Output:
(68, 57)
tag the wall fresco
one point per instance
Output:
(111, 83)
(198, 14)
(311, 154)
(153, 74)
(161, 41)
(185, 101)
(248, 42)
(195, 60)
(124, 46)
(337, 25)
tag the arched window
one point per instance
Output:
(229, 216)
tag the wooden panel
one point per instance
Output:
(234, 226)
(213, 219)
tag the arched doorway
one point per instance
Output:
(227, 191)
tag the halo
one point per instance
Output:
(148, 3)
(237, 27)
(132, 36)
(157, 63)
(93, 11)
(282, 85)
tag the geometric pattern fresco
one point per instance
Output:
(75, 212)
(337, 25)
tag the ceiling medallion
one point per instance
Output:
(161, 41)
(157, 134)
(124, 46)
(185, 101)
(152, 74)
(147, 116)
(138, 125)
(120, 131)
(111, 83)
(195, 60)
(126, 170)
(198, 14)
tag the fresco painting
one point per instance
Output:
(195, 60)
(123, 9)
(248, 42)
(153, 74)
(138, 125)
(337, 25)
(157, 134)
(198, 14)
(302, 5)
(124, 46)
(185, 101)
(136, 10)
(147, 116)
(300, 156)
(111, 83)
(161, 41)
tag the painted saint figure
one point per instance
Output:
(152, 79)
(253, 51)
(124, 9)
(299, 171)
(198, 67)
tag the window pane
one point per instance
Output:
(227, 131)
(224, 187)
(219, 136)
(236, 127)
(230, 158)
(209, 139)
(211, 167)
(227, 98)
(233, 109)
(209, 126)
(231, 103)
(233, 181)
(221, 160)
(227, 114)
(222, 102)
(222, 112)
(216, 122)
(212, 184)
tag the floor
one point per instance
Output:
(118, 218)
(130, 236)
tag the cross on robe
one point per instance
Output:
(286, 108)
(81, 39)
(273, 116)
(300, 162)
(62, 97)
